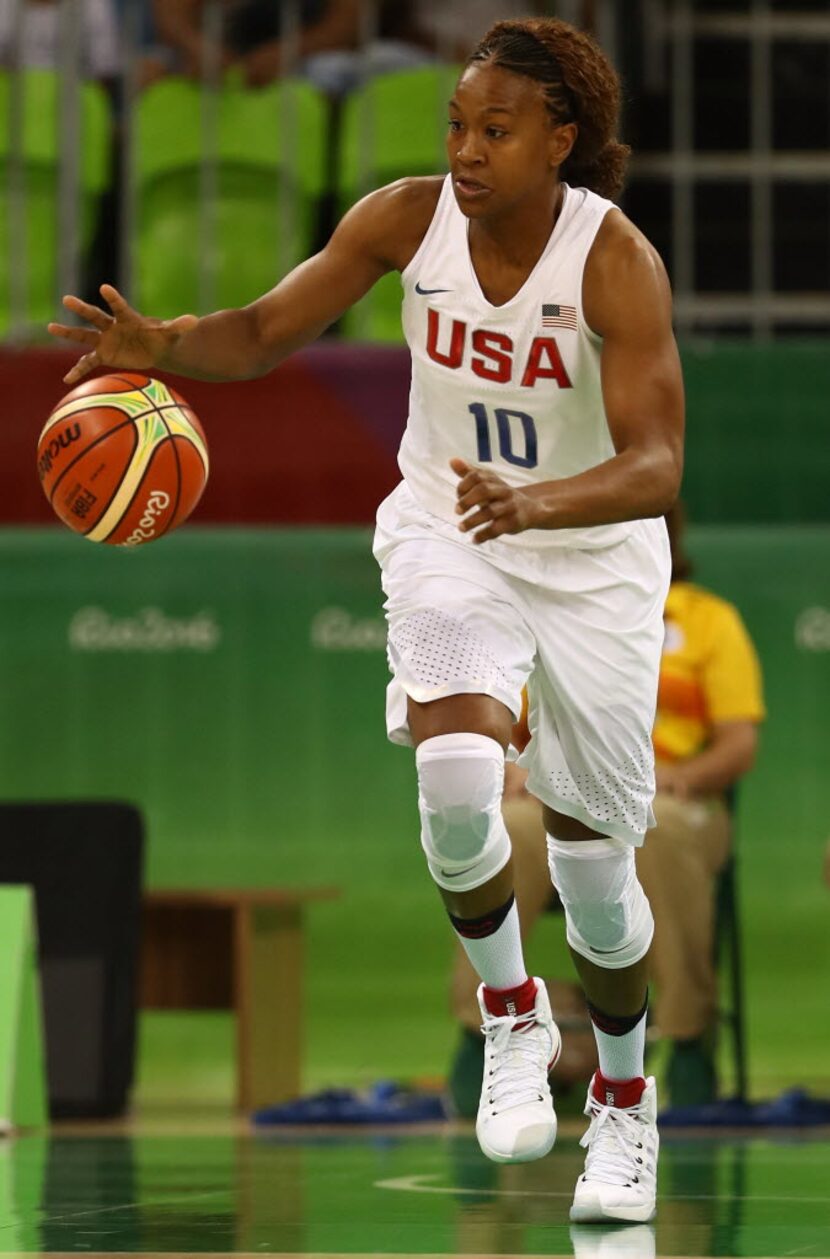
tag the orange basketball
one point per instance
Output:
(123, 459)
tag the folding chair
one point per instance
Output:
(729, 957)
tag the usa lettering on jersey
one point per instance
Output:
(491, 354)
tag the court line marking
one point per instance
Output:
(416, 1184)
(47, 1218)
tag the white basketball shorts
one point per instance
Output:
(582, 629)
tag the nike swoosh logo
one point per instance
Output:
(456, 874)
(427, 292)
(604, 952)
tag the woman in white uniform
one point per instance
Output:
(523, 545)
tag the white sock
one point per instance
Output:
(495, 955)
(621, 1057)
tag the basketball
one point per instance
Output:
(123, 459)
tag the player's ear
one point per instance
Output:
(562, 141)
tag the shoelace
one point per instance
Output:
(517, 1067)
(616, 1153)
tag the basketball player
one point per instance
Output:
(522, 545)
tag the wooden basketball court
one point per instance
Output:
(173, 1186)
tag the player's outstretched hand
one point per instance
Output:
(489, 505)
(121, 339)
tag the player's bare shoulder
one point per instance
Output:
(392, 221)
(622, 266)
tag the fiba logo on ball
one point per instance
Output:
(123, 459)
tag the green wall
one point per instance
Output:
(780, 580)
(232, 682)
(758, 432)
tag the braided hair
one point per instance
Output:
(580, 86)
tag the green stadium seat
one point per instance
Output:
(263, 216)
(40, 151)
(395, 125)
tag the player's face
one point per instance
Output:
(503, 145)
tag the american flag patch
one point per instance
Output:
(559, 317)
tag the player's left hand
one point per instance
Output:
(489, 505)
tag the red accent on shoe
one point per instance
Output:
(617, 1093)
(511, 1001)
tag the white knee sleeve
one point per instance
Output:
(460, 781)
(607, 914)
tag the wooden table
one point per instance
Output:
(239, 949)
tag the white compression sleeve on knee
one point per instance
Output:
(460, 781)
(608, 917)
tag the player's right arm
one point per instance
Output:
(381, 233)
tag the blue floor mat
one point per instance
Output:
(793, 1109)
(390, 1103)
(385, 1102)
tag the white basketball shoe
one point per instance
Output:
(516, 1120)
(620, 1178)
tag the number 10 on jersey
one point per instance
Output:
(509, 425)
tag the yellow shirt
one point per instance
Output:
(709, 672)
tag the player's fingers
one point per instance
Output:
(477, 480)
(85, 336)
(494, 530)
(478, 494)
(481, 517)
(474, 476)
(117, 304)
(92, 314)
(487, 491)
(82, 368)
(468, 483)
(459, 466)
(486, 514)
(481, 476)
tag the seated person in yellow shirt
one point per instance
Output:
(709, 708)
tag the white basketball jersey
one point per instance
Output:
(516, 387)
